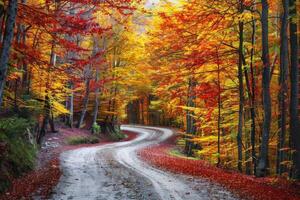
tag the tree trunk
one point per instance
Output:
(85, 103)
(190, 121)
(284, 62)
(7, 40)
(263, 157)
(241, 92)
(71, 106)
(24, 63)
(52, 65)
(253, 97)
(97, 92)
(219, 111)
(294, 102)
(51, 121)
(46, 118)
(247, 144)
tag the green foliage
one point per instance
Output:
(96, 128)
(178, 153)
(117, 134)
(14, 127)
(82, 140)
(19, 155)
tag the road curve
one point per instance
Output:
(114, 171)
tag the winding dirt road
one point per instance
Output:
(114, 171)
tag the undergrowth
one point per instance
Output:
(82, 140)
(17, 154)
(117, 135)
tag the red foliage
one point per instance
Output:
(247, 187)
(43, 180)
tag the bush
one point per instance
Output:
(82, 140)
(116, 134)
(96, 128)
(18, 155)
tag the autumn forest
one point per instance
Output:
(219, 79)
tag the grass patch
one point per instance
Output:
(82, 140)
(177, 153)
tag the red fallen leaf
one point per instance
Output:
(44, 179)
(247, 187)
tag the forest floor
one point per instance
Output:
(40, 182)
(142, 166)
(245, 186)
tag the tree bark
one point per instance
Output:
(264, 149)
(7, 41)
(284, 62)
(97, 78)
(219, 111)
(85, 102)
(97, 92)
(241, 92)
(294, 102)
(190, 121)
(46, 118)
(71, 106)
(253, 97)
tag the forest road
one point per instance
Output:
(114, 171)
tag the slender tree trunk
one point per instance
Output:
(241, 92)
(16, 107)
(24, 63)
(190, 121)
(264, 149)
(142, 110)
(1, 14)
(7, 40)
(51, 121)
(71, 55)
(97, 92)
(250, 143)
(47, 103)
(284, 62)
(219, 111)
(97, 77)
(52, 65)
(247, 144)
(45, 121)
(85, 102)
(71, 106)
(2, 25)
(294, 102)
(253, 97)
